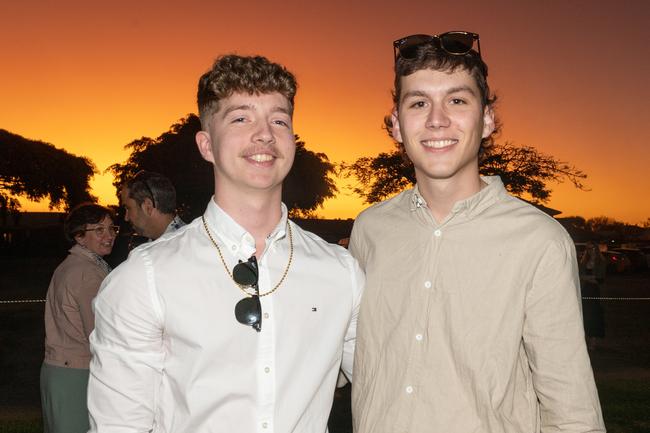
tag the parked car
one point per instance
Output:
(637, 258)
(617, 263)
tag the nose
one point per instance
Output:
(264, 133)
(438, 117)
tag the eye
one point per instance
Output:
(457, 101)
(281, 123)
(418, 104)
(238, 120)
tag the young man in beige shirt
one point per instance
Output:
(470, 320)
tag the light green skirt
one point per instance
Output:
(63, 399)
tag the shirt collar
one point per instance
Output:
(471, 206)
(95, 258)
(234, 235)
(174, 225)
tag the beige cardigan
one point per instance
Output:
(69, 319)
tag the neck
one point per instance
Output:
(160, 224)
(442, 194)
(258, 214)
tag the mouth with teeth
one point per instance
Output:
(260, 157)
(439, 144)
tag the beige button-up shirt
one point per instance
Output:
(471, 325)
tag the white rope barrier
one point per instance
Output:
(21, 301)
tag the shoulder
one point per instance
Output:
(386, 212)
(529, 217)
(77, 269)
(314, 245)
(316, 253)
(169, 243)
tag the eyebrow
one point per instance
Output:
(420, 93)
(245, 107)
(235, 108)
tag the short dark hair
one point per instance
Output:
(82, 215)
(232, 73)
(155, 187)
(430, 56)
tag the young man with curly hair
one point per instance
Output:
(239, 321)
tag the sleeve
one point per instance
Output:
(127, 362)
(357, 246)
(358, 282)
(555, 345)
(84, 295)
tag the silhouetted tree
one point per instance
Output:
(608, 228)
(523, 170)
(38, 170)
(175, 155)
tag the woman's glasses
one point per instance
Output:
(454, 43)
(248, 311)
(102, 230)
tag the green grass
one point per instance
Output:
(626, 405)
(21, 427)
(24, 424)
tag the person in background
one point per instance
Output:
(69, 318)
(593, 268)
(470, 321)
(149, 199)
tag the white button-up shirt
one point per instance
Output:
(169, 354)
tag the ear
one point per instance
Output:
(488, 122)
(397, 132)
(204, 143)
(147, 206)
(80, 238)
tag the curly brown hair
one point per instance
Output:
(232, 73)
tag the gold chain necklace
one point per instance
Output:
(284, 275)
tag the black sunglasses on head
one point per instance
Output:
(143, 176)
(248, 311)
(456, 43)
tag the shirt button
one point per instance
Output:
(437, 233)
(418, 337)
(409, 389)
(265, 425)
(266, 315)
(234, 248)
(427, 284)
(266, 369)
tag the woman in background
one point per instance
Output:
(69, 318)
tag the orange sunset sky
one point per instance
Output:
(572, 78)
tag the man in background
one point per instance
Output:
(149, 199)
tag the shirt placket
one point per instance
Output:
(422, 290)
(266, 356)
